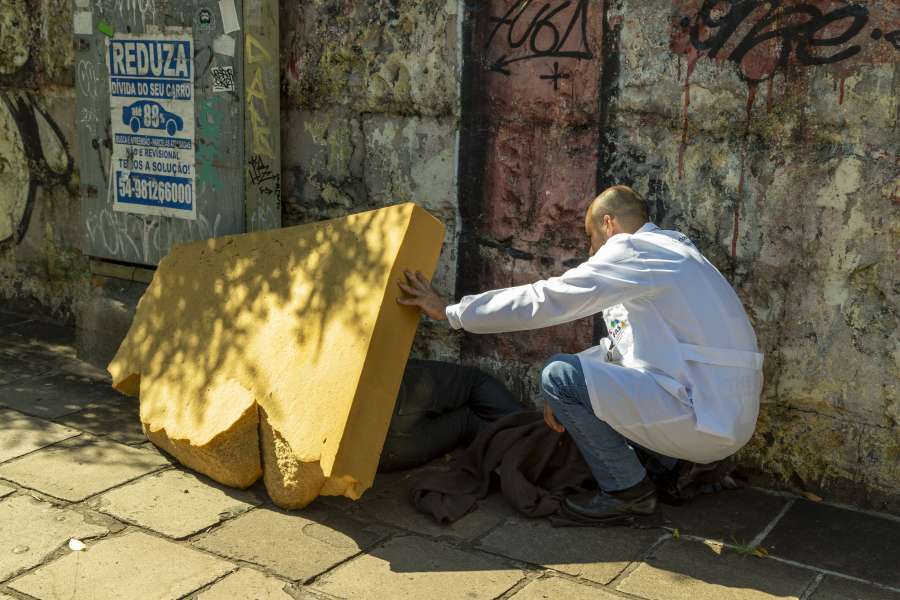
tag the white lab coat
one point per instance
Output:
(688, 382)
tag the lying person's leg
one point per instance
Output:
(440, 407)
(490, 399)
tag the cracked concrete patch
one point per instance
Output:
(589, 552)
(318, 540)
(246, 584)
(6, 491)
(411, 567)
(131, 567)
(76, 469)
(176, 504)
(31, 530)
(23, 434)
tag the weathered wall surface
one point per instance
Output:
(764, 131)
(42, 270)
(768, 134)
(369, 103)
(529, 157)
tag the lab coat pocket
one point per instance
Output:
(599, 352)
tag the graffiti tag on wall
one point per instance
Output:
(766, 37)
(551, 31)
(35, 153)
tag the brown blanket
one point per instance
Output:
(538, 467)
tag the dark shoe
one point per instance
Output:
(636, 507)
(687, 479)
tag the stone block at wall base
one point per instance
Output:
(100, 326)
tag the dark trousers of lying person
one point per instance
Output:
(440, 407)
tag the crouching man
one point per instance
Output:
(682, 393)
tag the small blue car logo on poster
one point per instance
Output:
(150, 115)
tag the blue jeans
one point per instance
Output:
(608, 453)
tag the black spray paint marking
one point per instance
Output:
(798, 37)
(261, 175)
(555, 76)
(538, 23)
(23, 109)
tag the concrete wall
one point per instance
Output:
(370, 110)
(769, 138)
(780, 157)
(766, 132)
(42, 270)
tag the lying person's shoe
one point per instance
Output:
(636, 507)
(688, 479)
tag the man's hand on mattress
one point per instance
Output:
(423, 297)
(550, 420)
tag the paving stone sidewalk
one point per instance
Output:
(74, 464)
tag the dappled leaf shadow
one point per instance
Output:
(284, 317)
(23, 434)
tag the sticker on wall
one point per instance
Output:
(224, 44)
(229, 16)
(254, 12)
(205, 19)
(223, 79)
(84, 22)
(152, 105)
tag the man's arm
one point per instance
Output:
(613, 276)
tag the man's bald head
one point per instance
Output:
(622, 204)
(617, 210)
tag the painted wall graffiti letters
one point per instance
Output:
(33, 153)
(129, 237)
(545, 37)
(262, 184)
(763, 38)
(256, 100)
(261, 175)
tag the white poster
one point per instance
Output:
(152, 106)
